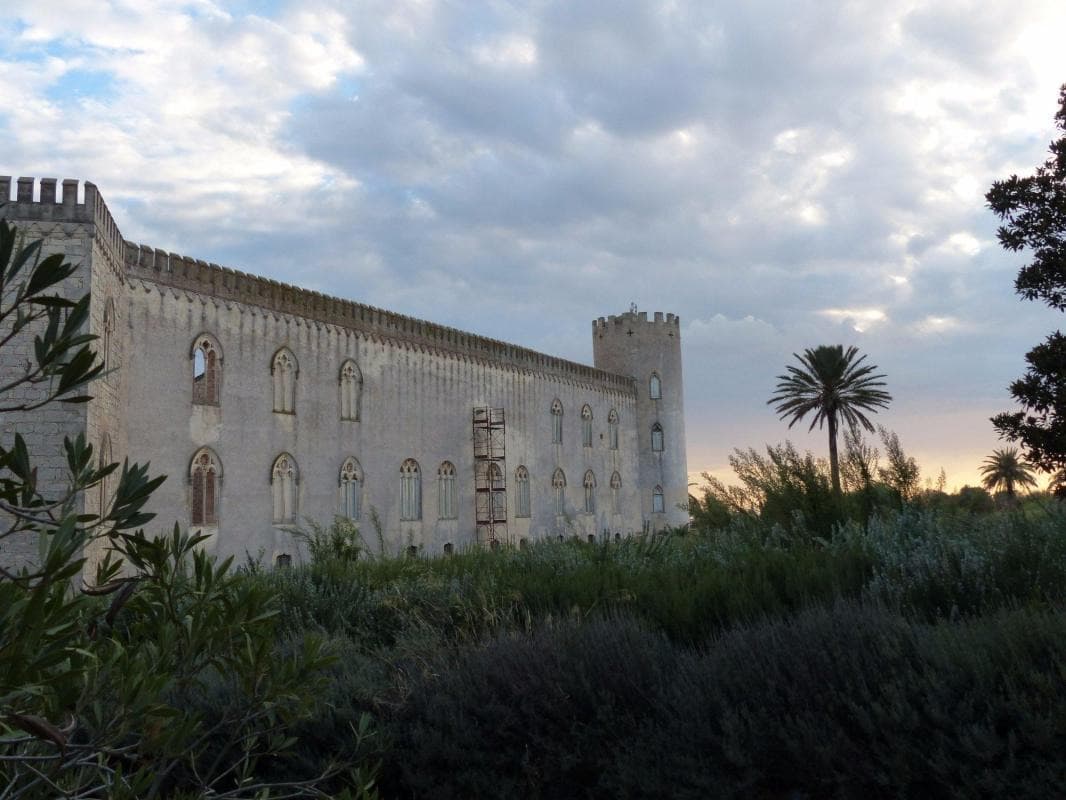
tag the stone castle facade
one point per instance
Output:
(267, 405)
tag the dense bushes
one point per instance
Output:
(919, 655)
(848, 701)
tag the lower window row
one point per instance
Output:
(205, 477)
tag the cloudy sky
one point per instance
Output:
(780, 174)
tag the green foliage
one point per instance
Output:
(562, 670)
(902, 474)
(1033, 211)
(974, 500)
(341, 541)
(847, 700)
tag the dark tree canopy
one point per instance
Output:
(1033, 211)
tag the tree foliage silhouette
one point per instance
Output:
(833, 385)
(1005, 470)
(1033, 211)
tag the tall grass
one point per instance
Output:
(923, 563)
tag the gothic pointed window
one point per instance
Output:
(655, 387)
(586, 426)
(557, 422)
(612, 429)
(658, 502)
(616, 492)
(351, 381)
(206, 370)
(522, 504)
(410, 491)
(590, 492)
(205, 475)
(351, 489)
(284, 370)
(559, 492)
(657, 438)
(447, 507)
(108, 334)
(283, 479)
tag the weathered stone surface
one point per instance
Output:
(421, 382)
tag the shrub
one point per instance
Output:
(527, 716)
(846, 701)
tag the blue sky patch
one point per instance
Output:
(81, 85)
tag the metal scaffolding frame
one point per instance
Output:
(490, 475)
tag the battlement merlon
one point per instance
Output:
(669, 322)
(183, 273)
(60, 208)
(195, 275)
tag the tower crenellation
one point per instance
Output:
(51, 206)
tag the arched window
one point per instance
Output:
(283, 561)
(612, 429)
(590, 492)
(351, 488)
(206, 370)
(559, 491)
(557, 422)
(105, 483)
(658, 503)
(586, 426)
(522, 504)
(655, 387)
(205, 474)
(109, 329)
(283, 478)
(351, 381)
(616, 493)
(410, 491)
(657, 438)
(284, 369)
(447, 507)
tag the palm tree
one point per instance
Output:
(1005, 470)
(833, 384)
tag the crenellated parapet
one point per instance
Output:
(670, 324)
(42, 200)
(39, 201)
(201, 277)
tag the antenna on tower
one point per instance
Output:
(632, 308)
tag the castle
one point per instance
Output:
(267, 405)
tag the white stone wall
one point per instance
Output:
(417, 402)
(43, 429)
(421, 383)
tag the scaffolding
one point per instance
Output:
(490, 484)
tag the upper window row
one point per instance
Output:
(586, 425)
(284, 370)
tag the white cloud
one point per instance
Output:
(858, 319)
(508, 51)
(780, 175)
